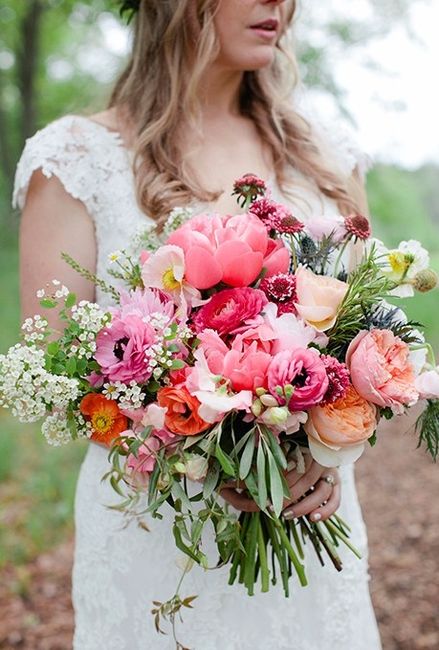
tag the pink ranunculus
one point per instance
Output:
(120, 349)
(305, 371)
(245, 365)
(231, 311)
(229, 249)
(427, 384)
(381, 370)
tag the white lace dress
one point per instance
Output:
(118, 572)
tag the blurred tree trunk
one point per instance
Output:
(6, 157)
(27, 66)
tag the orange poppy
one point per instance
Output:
(182, 411)
(106, 420)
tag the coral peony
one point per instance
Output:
(231, 311)
(244, 364)
(107, 422)
(182, 411)
(304, 371)
(381, 370)
(318, 298)
(337, 432)
(230, 249)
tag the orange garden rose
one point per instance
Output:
(182, 411)
(337, 432)
(106, 420)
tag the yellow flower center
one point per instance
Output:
(102, 422)
(169, 281)
(399, 262)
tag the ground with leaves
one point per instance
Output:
(402, 515)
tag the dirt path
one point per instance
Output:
(399, 491)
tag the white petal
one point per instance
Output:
(334, 457)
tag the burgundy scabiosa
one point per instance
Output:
(281, 289)
(338, 377)
(358, 226)
(231, 311)
(248, 188)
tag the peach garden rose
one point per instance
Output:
(318, 298)
(337, 432)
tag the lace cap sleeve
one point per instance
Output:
(66, 148)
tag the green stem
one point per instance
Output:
(297, 540)
(250, 559)
(342, 250)
(265, 574)
(280, 554)
(300, 570)
(344, 539)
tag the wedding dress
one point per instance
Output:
(119, 571)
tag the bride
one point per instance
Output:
(206, 97)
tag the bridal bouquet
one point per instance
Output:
(237, 345)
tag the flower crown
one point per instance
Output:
(130, 7)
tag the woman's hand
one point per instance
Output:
(324, 499)
(297, 505)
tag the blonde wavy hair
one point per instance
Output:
(174, 43)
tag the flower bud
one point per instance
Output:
(269, 400)
(196, 468)
(260, 391)
(275, 415)
(257, 408)
(425, 280)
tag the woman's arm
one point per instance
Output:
(53, 222)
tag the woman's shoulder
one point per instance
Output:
(74, 148)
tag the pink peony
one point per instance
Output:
(243, 364)
(381, 370)
(231, 311)
(230, 249)
(121, 349)
(304, 370)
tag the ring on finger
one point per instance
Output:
(329, 478)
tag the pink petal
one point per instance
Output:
(202, 269)
(240, 265)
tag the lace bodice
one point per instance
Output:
(94, 166)
(118, 571)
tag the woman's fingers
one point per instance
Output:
(310, 503)
(239, 501)
(306, 481)
(330, 507)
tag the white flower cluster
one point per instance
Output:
(61, 292)
(145, 238)
(177, 217)
(34, 329)
(28, 389)
(56, 430)
(128, 397)
(91, 319)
